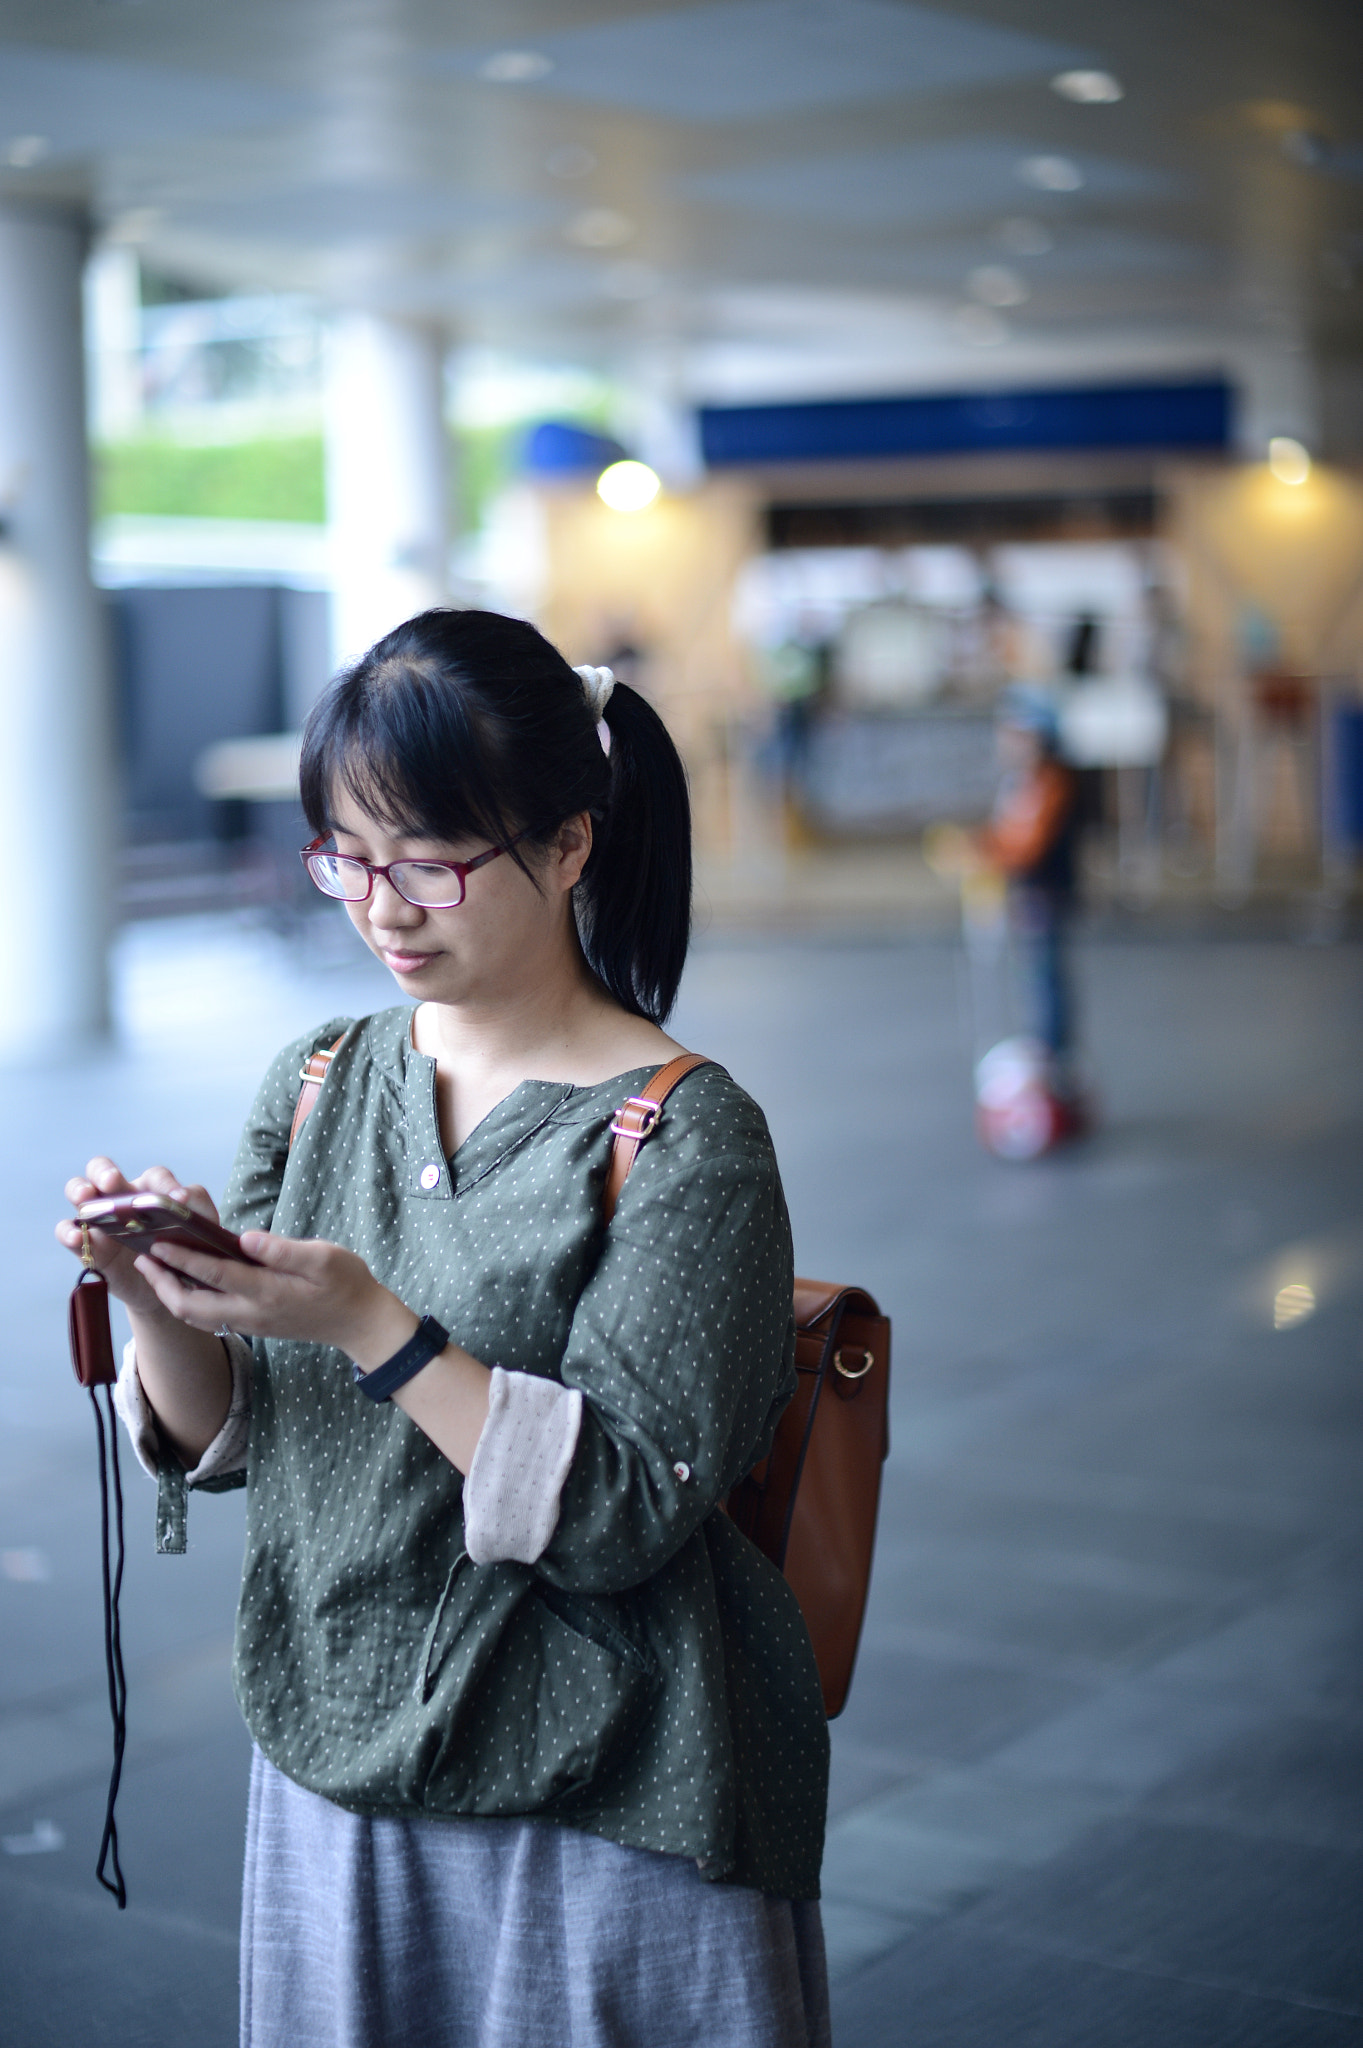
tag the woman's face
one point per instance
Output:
(503, 940)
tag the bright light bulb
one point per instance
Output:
(627, 486)
(1288, 460)
(1088, 88)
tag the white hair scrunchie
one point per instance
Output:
(597, 684)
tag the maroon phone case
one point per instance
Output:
(196, 1233)
(92, 1344)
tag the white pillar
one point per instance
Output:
(113, 328)
(386, 476)
(57, 772)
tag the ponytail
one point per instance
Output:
(465, 724)
(634, 899)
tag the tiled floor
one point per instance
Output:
(1099, 1780)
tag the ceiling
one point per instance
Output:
(742, 198)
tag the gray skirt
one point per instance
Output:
(506, 1934)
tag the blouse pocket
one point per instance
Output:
(566, 1694)
(430, 1657)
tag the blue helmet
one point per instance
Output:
(1029, 709)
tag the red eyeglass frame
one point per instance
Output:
(460, 869)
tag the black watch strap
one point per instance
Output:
(426, 1342)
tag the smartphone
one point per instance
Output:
(132, 1218)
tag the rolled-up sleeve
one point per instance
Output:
(682, 1348)
(511, 1495)
(227, 1453)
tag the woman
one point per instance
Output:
(540, 1754)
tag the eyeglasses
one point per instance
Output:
(428, 884)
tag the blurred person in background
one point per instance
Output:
(794, 675)
(1083, 652)
(540, 1749)
(1032, 838)
(1019, 874)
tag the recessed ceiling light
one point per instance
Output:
(599, 227)
(981, 328)
(1088, 88)
(994, 284)
(515, 67)
(1024, 237)
(570, 160)
(1293, 1304)
(23, 151)
(1050, 173)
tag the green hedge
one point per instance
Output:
(269, 479)
(277, 478)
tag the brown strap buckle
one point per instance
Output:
(636, 1120)
(312, 1074)
(645, 1114)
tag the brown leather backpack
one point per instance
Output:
(810, 1506)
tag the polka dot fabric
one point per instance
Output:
(649, 1677)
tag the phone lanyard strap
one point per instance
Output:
(111, 1526)
(92, 1356)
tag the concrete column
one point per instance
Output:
(57, 770)
(113, 330)
(387, 476)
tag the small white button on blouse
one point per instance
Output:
(430, 1175)
(682, 1470)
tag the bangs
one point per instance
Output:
(406, 747)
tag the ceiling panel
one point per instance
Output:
(800, 190)
(334, 213)
(79, 105)
(1084, 250)
(752, 59)
(921, 183)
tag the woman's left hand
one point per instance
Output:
(301, 1287)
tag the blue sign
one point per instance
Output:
(968, 423)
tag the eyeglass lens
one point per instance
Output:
(429, 884)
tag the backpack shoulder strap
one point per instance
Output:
(636, 1121)
(312, 1074)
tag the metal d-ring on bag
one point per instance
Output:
(92, 1356)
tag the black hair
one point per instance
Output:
(465, 724)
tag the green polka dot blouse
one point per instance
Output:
(649, 1678)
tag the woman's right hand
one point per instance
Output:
(113, 1259)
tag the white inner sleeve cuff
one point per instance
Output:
(511, 1495)
(227, 1452)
